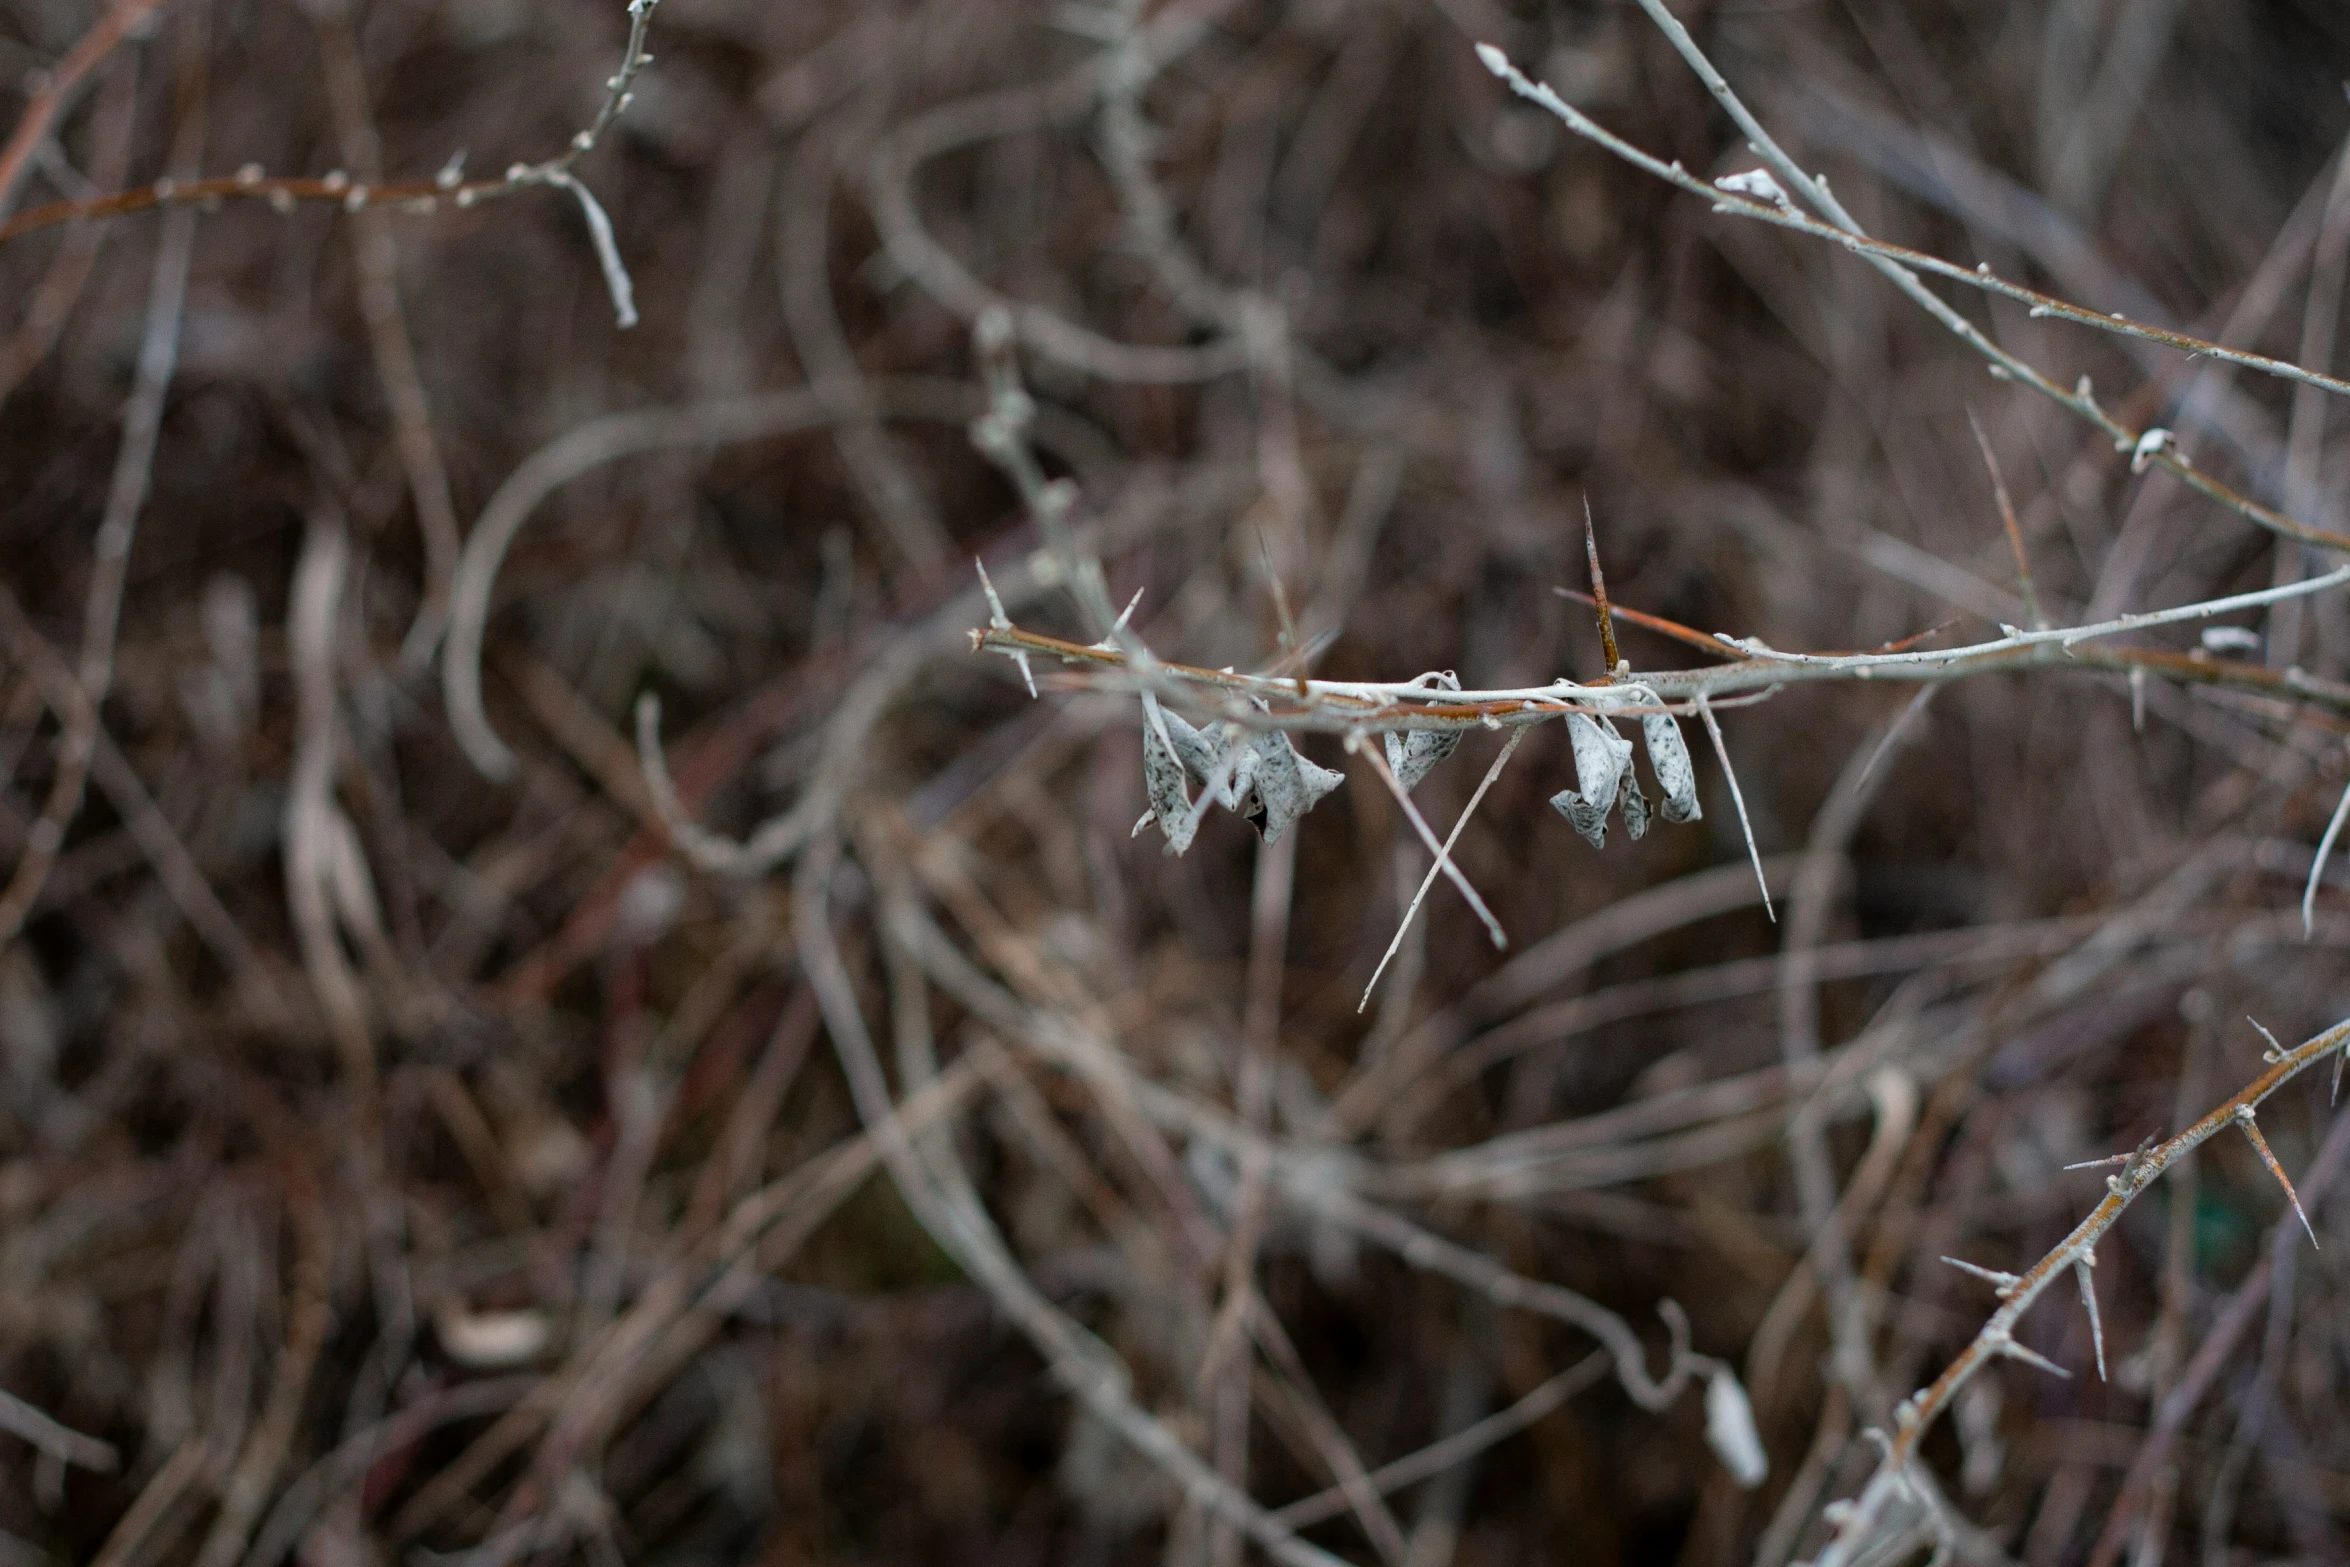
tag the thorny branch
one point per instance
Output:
(1344, 707)
(1761, 196)
(337, 188)
(1859, 1522)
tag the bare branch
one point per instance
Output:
(1858, 1523)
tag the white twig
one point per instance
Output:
(1367, 707)
(415, 195)
(2004, 1283)
(60, 1442)
(2317, 864)
(2015, 638)
(2247, 1119)
(313, 823)
(1901, 265)
(607, 248)
(2088, 1260)
(1443, 858)
(1713, 732)
(1441, 851)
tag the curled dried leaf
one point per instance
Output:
(1601, 758)
(1287, 783)
(1635, 804)
(1603, 762)
(1412, 756)
(1588, 819)
(1163, 779)
(1261, 776)
(1669, 755)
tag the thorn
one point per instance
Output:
(995, 605)
(2003, 1343)
(2004, 1283)
(1109, 643)
(2340, 1056)
(1127, 613)
(997, 620)
(2244, 1119)
(2275, 1052)
(1607, 619)
(2089, 1303)
(2099, 1164)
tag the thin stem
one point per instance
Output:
(2317, 864)
(2007, 518)
(1900, 265)
(1443, 858)
(1346, 707)
(1443, 851)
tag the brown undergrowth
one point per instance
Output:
(453, 1109)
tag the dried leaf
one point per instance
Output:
(1635, 805)
(1205, 759)
(1601, 755)
(1163, 781)
(1603, 758)
(1587, 819)
(1412, 756)
(1287, 784)
(1191, 747)
(1674, 774)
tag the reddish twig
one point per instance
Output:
(41, 112)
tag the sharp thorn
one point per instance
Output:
(2260, 1144)
(996, 617)
(1607, 619)
(2089, 1302)
(2005, 1344)
(1127, 613)
(2002, 1282)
